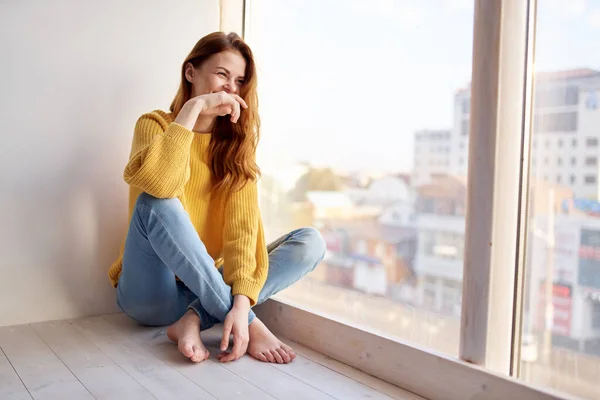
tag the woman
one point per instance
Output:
(195, 252)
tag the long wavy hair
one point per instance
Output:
(232, 148)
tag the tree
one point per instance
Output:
(315, 179)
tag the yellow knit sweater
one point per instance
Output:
(168, 160)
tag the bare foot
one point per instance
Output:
(186, 333)
(264, 346)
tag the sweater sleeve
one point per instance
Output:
(160, 157)
(245, 260)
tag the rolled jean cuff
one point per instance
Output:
(251, 316)
(206, 320)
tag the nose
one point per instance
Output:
(230, 87)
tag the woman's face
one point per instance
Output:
(222, 72)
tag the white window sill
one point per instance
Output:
(421, 371)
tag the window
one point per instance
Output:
(560, 143)
(559, 161)
(546, 160)
(591, 100)
(429, 293)
(563, 256)
(556, 97)
(547, 143)
(443, 244)
(556, 122)
(588, 260)
(295, 162)
(465, 106)
(596, 314)
(451, 296)
(465, 127)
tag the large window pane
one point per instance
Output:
(365, 109)
(561, 326)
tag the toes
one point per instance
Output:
(200, 354)
(186, 349)
(288, 350)
(269, 356)
(262, 357)
(278, 358)
(285, 356)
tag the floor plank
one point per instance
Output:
(329, 381)
(324, 380)
(352, 373)
(160, 379)
(246, 372)
(327, 384)
(215, 379)
(11, 387)
(98, 373)
(42, 372)
(277, 383)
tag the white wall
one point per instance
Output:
(74, 77)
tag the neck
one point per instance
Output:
(204, 124)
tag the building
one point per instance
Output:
(571, 275)
(432, 154)
(459, 147)
(565, 146)
(440, 222)
(367, 256)
(383, 191)
(394, 196)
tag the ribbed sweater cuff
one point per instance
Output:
(247, 288)
(180, 134)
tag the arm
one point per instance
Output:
(160, 153)
(244, 251)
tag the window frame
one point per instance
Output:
(503, 45)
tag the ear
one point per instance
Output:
(189, 72)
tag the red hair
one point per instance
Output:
(232, 148)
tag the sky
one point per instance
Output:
(346, 84)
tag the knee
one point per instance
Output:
(314, 246)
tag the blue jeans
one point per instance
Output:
(162, 243)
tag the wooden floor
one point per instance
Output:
(110, 357)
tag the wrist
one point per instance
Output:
(199, 104)
(241, 301)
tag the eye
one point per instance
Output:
(222, 73)
(241, 82)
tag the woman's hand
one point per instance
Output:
(236, 322)
(221, 103)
